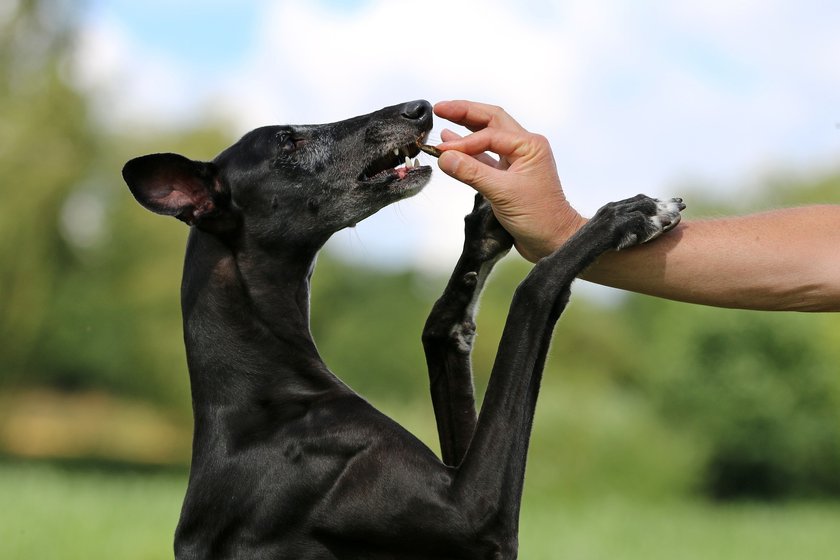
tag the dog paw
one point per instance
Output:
(640, 219)
(485, 238)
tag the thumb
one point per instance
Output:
(469, 170)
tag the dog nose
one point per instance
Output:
(417, 110)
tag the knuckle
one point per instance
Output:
(497, 112)
(469, 171)
(539, 141)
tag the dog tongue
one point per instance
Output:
(401, 172)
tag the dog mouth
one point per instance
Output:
(396, 164)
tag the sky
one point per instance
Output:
(634, 96)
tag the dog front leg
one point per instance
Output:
(489, 481)
(450, 329)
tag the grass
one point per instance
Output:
(624, 530)
(54, 513)
(51, 512)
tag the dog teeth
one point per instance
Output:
(406, 160)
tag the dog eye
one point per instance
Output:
(286, 143)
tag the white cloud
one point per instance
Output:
(632, 97)
(327, 66)
(134, 83)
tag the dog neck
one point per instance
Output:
(246, 325)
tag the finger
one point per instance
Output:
(483, 178)
(476, 116)
(449, 136)
(510, 146)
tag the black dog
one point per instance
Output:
(288, 462)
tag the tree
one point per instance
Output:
(47, 146)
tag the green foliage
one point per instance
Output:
(367, 325)
(758, 391)
(46, 148)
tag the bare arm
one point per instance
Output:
(781, 260)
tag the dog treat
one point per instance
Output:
(431, 150)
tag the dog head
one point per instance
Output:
(294, 184)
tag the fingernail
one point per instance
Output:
(448, 135)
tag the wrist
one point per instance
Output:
(564, 226)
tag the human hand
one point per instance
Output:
(522, 186)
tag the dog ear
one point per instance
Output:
(172, 185)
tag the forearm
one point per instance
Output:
(781, 260)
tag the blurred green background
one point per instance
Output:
(664, 430)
